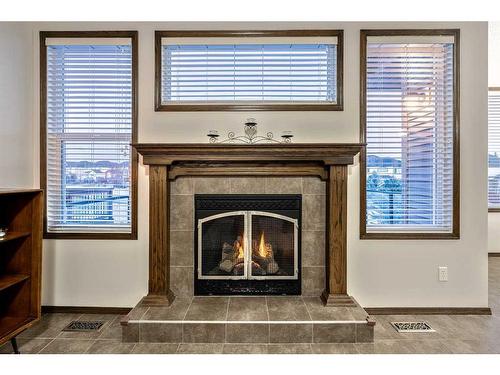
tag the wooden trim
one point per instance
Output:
(335, 293)
(134, 159)
(428, 310)
(247, 33)
(248, 170)
(362, 134)
(493, 255)
(85, 310)
(43, 124)
(88, 236)
(159, 34)
(337, 230)
(408, 236)
(411, 32)
(455, 233)
(159, 236)
(492, 210)
(267, 154)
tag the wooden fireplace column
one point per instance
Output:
(159, 292)
(326, 161)
(335, 293)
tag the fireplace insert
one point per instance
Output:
(247, 244)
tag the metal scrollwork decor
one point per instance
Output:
(251, 135)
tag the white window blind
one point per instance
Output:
(229, 73)
(89, 130)
(409, 133)
(494, 149)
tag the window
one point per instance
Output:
(255, 70)
(88, 121)
(409, 169)
(494, 149)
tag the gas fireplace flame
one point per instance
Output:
(262, 246)
(240, 247)
(258, 260)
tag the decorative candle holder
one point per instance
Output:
(287, 136)
(213, 135)
(251, 135)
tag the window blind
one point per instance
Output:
(89, 130)
(494, 149)
(409, 134)
(271, 73)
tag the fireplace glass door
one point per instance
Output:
(248, 245)
(274, 246)
(222, 241)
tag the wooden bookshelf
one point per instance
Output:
(20, 260)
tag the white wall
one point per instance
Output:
(16, 96)
(381, 273)
(494, 81)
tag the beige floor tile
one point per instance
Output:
(200, 349)
(110, 347)
(67, 346)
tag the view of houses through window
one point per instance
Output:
(89, 127)
(409, 132)
(494, 149)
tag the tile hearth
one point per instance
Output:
(257, 320)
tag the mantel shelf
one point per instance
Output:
(293, 153)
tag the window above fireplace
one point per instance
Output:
(249, 70)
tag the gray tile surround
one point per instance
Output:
(182, 223)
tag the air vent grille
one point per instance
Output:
(84, 326)
(412, 327)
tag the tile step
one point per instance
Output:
(212, 331)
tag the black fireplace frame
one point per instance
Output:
(283, 204)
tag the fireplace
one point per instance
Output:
(167, 162)
(247, 244)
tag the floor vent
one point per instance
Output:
(412, 327)
(84, 326)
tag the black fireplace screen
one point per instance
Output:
(246, 245)
(222, 246)
(246, 251)
(274, 246)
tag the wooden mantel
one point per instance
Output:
(328, 161)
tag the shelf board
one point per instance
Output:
(11, 326)
(7, 281)
(14, 236)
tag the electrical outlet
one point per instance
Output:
(443, 273)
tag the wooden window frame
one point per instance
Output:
(455, 233)
(159, 107)
(133, 35)
(493, 209)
